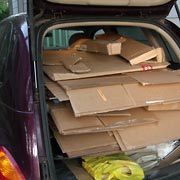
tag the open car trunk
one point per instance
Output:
(123, 8)
(111, 89)
(113, 3)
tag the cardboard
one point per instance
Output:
(167, 129)
(89, 101)
(99, 65)
(134, 51)
(164, 106)
(139, 116)
(104, 150)
(67, 124)
(95, 82)
(74, 62)
(157, 94)
(76, 168)
(99, 46)
(81, 145)
(155, 77)
(119, 140)
(56, 90)
(50, 57)
(115, 113)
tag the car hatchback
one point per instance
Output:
(82, 79)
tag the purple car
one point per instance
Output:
(29, 149)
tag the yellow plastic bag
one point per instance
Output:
(113, 167)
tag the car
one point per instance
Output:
(29, 145)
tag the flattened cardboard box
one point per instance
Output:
(96, 82)
(88, 101)
(99, 65)
(67, 124)
(86, 144)
(99, 46)
(167, 129)
(154, 77)
(133, 51)
(51, 57)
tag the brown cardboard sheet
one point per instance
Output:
(148, 95)
(134, 51)
(119, 140)
(99, 65)
(67, 124)
(81, 145)
(155, 77)
(139, 116)
(51, 57)
(167, 129)
(99, 46)
(164, 106)
(101, 99)
(121, 113)
(76, 168)
(74, 62)
(88, 101)
(95, 82)
(55, 89)
(104, 150)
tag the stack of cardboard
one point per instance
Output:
(107, 104)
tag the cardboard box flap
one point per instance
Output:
(166, 129)
(100, 65)
(155, 77)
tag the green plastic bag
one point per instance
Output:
(113, 167)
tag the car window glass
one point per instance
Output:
(134, 33)
(170, 55)
(59, 39)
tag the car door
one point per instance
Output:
(17, 112)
